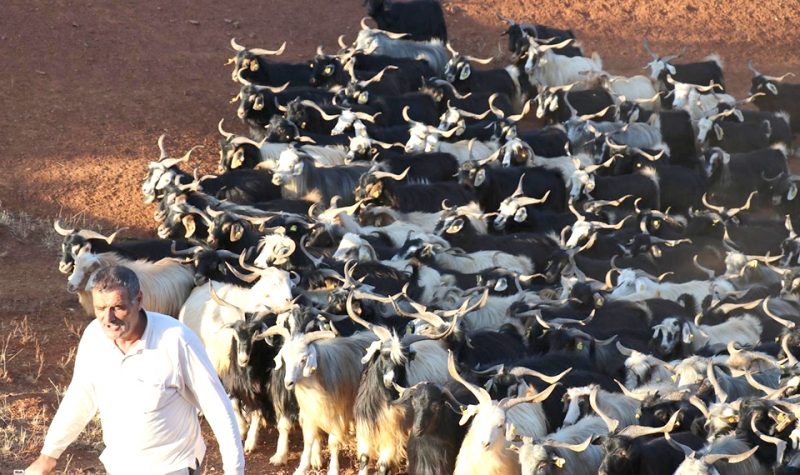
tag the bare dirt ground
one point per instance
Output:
(87, 87)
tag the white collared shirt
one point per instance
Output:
(148, 401)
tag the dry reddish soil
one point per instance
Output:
(87, 87)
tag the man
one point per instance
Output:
(147, 374)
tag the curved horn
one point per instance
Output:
(610, 423)
(502, 18)
(161, 148)
(381, 175)
(221, 302)
(647, 48)
(779, 444)
(765, 307)
(639, 431)
(523, 371)
(525, 110)
(573, 447)
(479, 60)
(66, 232)
(711, 273)
(789, 355)
(266, 52)
(363, 23)
(718, 209)
(687, 451)
(382, 332)
(622, 349)
(227, 135)
(711, 459)
(479, 393)
(700, 405)
(734, 211)
(627, 392)
(236, 46)
(325, 116)
(722, 396)
(751, 68)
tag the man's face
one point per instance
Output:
(117, 312)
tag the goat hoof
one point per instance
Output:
(278, 459)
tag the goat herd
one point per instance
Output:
(390, 260)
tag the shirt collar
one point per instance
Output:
(144, 343)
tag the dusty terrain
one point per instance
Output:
(87, 88)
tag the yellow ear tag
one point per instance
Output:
(560, 462)
(580, 346)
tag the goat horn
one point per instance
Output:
(718, 209)
(222, 302)
(382, 333)
(635, 431)
(779, 444)
(573, 447)
(502, 18)
(161, 147)
(236, 45)
(66, 232)
(734, 211)
(322, 113)
(629, 394)
(523, 371)
(381, 175)
(266, 52)
(722, 396)
(711, 273)
(647, 48)
(483, 397)
(479, 60)
(751, 68)
(507, 403)
(227, 135)
(711, 459)
(611, 423)
(789, 355)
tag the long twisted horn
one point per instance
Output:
(610, 423)
(480, 394)
(751, 68)
(647, 48)
(502, 18)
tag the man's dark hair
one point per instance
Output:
(111, 277)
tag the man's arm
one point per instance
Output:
(77, 408)
(201, 382)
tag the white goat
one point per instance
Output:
(165, 284)
(485, 450)
(565, 452)
(547, 68)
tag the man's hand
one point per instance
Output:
(42, 466)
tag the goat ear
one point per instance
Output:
(465, 72)
(363, 255)
(792, 194)
(718, 130)
(311, 362)
(772, 88)
(236, 232)
(278, 361)
(686, 334)
(188, 223)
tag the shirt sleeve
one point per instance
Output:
(78, 406)
(202, 384)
